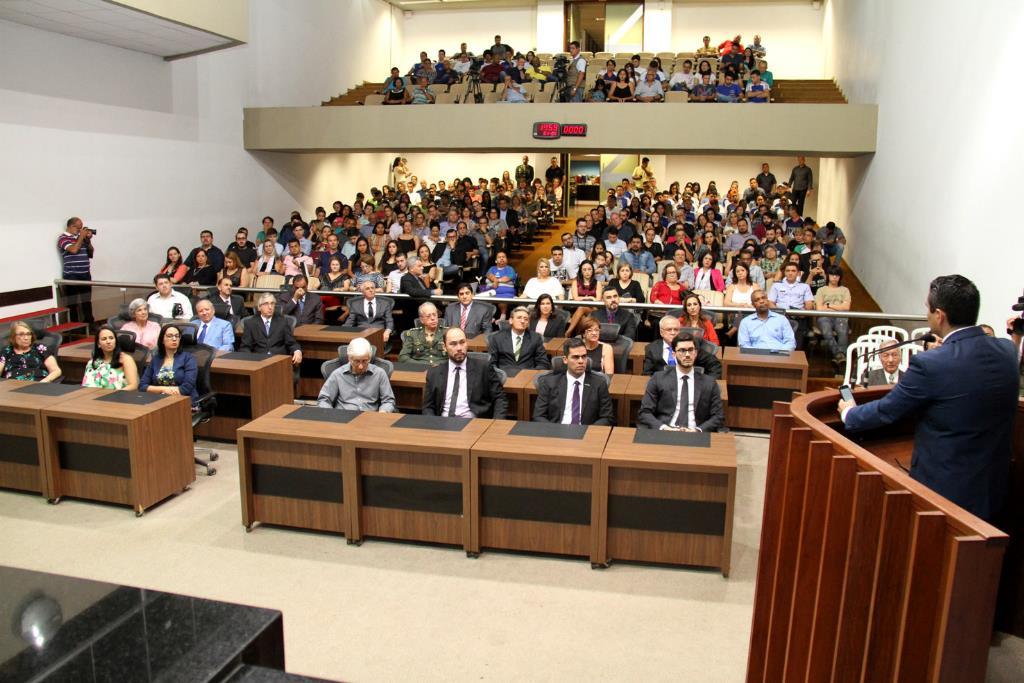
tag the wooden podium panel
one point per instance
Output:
(668, 503)
(129, 453)
(320, 343)
(293, 470)
(410, 483)
(756, 381)
(22, 441)
(537, 493)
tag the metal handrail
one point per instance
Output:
(861, 315)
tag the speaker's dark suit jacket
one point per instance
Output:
(659, 402)
(312, 311)
(279, 341)
(381, 313)
(484, 393)
(595, 402)
(963, 397)
(654, 359)
(532, 355)
(478, 320)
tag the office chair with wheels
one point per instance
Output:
(502, 375)
(621, 345)
(126, 343)
(207, 404)
(382, 363)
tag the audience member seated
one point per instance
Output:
(518, 346)
(766, 75)
(174, 267)
(297, 263)
(739, 294)
(834, 297)
(424, 344)
(545, 319)
(628, 289)
(214, 256)
(707, 49)
(300, 303)
(461, 386)
(201, 273)
(622, 89)
(833, 242)
(704, 91)
(501, 277)
(242, 248)
(269, 333)
(171, 370)
(168, 303)
(25, 358)
(513, 92)
(213, 331)
(693, 316)
(684, 79)
(790, 293)
(659, 352)
(638, 258)
(613, 314)
(708, 276)
(585, 287)
(575, 396)
(146, 331)
(680, 399)
(471, 319)
(669, 290)
(649, 90)
(394, 91)
(235, 271)
(268, 261)
(371, 311)
(757, 90)
(890, 373)
(543, 283)
(109, 367)
(765, 329)
(420, 93)
(415, 282)
(358, 384)
(367, 273)
(600, 354)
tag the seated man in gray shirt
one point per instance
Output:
(358, 384)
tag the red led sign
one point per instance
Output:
(549, 130)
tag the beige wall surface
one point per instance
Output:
(813, 129)
(228, 18)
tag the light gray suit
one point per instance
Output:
(876, 378)
(479, 320)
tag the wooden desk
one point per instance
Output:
(668, 503)
(246, 388)
(477, 344)
(131, 454)
(294, 472)
(320, 343)
(519, 389)
(756, 381)
(22, 465)
(410, 484)
(636, 358)
(536, 494)
(633, 395)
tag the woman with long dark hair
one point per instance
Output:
(110, 367)
(171, 371)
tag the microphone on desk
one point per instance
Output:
(924, 338)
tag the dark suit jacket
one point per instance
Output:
(876, 377)
(486, 397)
(595, 407)
(478, 321)
(654, 360)
(625, 319)
(556, 327)
(411, 285)
(963, 396)
(381, 313)
(280, 341)
(659, 402)
(312, 311)
(532, 355)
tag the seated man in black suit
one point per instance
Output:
(268, 333)
(890, 371)
(412, 282)
(659, 352)
(369, 310)
(611, 313)
(302, 305)
(473, 319)
(463, 386)
(576, 396)
(680, 399)
(518, 347)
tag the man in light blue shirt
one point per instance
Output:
(213, 331)
(790, 293)
(765, 329)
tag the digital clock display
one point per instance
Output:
(547, 130)
(574, 129)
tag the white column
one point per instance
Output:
(658, 26)
(550, 25)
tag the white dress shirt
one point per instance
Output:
(462, 400)
(690, 420)
(570, 384)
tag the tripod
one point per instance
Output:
(473, 89)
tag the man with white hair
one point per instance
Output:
(269, 333)
(358, 384)
(424, 344)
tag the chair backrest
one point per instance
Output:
(609, 332)
(891, 331)
(126, 342)
(710, 297)
(620, 351)
(677, 96)
(502, 375)
(697, 332)
(447, 98)
(203, 355)
(51, 340)
(291, 322)
(329, 366)
(268, 281)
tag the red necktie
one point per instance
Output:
(462, 320)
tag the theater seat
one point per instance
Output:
(373, 100)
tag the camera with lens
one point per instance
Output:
(1017, 326)
(475, 65)
(560, 67)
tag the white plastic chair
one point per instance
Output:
(920, 332)
(891, 331)
(856, 366)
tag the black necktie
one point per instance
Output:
(683, 419)
(455, 393)
(369, 311)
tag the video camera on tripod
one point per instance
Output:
(560, 73)
(473, 81)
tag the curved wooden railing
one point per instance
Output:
(863, 572)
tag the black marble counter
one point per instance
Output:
(65, 629)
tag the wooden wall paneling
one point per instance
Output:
(922, 600)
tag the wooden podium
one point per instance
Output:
(863, 572)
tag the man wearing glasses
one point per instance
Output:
(269, 333)
(680, 398)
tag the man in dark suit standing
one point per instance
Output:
(371, 311)
(302, 305)
(659, 354)
(576, 396)
(890, 372)
(471, 318)
(625, 319)
(462, 386)
(678, 398)
(963, 396)
(518, 347)
(268, 333)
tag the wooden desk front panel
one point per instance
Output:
(245, 391)
(753, 390)
(408, 388)
(294, 483)
(20, 465)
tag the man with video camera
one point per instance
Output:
(1015, 328)
(76, 252)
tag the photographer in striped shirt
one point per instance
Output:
(76, 252)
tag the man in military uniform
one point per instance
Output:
(424, 344)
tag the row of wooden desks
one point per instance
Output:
(120, 447)
(594, 491)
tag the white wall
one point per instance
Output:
(433, 31)
(922, 206)
(658, 26)
(791, 32)
(550, 25)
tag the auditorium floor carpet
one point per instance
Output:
(396, 611)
